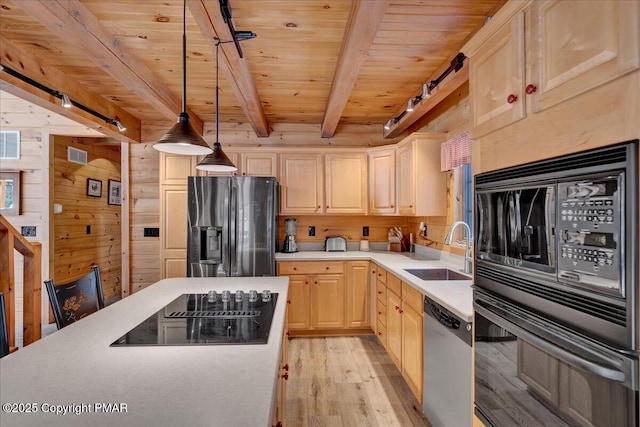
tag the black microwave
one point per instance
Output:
(561, 236)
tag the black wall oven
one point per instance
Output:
(556, 290)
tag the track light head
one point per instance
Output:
(66, 101)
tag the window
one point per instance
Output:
(463, 202)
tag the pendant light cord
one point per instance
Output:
(217, 91)
(184, 56)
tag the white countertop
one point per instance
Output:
(213, 385)
(455, 295)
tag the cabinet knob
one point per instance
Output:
(397, 308)
(392, 206)
(379, 312)
(373, 272)
(530, 89)
(410, 206)
(318, 207)
(315, 282)
(401, 311)
(379, 274)
(288, 301)
(306, 282)
(295, 268)
(243, 173)
(285, 376)
(326, 268)
(512, 98)
(379, 333)
(288, 333)
(286, 367)
(327, 206)
(379, 292)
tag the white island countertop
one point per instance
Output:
(194, 385)
(454, 295)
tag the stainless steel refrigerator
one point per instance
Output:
(232, 226)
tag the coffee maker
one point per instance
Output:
(290, 226)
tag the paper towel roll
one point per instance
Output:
(364, 245)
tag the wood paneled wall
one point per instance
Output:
(144, 176)
(74, 248)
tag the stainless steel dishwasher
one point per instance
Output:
(447, 367)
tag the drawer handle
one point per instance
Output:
(401, 311)
(285, 376)
(295, 268)
(286, 367)
(397, 308)
(512, 98)
(530, 89)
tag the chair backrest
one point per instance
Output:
(4, 337)
(76, 299)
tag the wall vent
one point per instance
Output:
(75, 155)
(9, 144)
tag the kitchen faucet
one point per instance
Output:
(467, 256)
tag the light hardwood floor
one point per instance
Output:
(347, 381)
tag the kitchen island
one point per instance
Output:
(74, 377)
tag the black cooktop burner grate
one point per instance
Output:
(219, 314)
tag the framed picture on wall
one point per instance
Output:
(115, 192)
(94, 187)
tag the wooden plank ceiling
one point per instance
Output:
(320, 62)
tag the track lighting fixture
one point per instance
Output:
(456, 64)
(66, 102)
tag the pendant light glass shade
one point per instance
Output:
(217, 161)
(182, 138)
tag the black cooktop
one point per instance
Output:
(207, 319)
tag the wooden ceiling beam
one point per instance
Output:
(235, 69)
(70, 21)
(362, 26)
(47, 75)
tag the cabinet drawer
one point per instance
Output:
(381, 291)
(412, 297)
(381, 312)
(394, 284)
(381, 274)
(382, 334)
(310, 267)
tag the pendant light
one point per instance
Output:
(182, 138)
(217, 161)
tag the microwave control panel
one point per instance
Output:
(590, 233)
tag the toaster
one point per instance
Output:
(335, 244)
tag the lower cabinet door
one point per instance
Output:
(299, 296)
(394, 328)
(327, 298)
(412, 348)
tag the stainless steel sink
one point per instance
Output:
(436, 274)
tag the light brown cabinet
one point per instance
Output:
(358, 308)
(382, 181)
(345, 176)
(394, 328)
(420, 183)
(316, 294)
(400, 329)
(543, 56)
(301, 183)
(258, 164)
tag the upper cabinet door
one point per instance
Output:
(259, 164)
(346, 188)
(578, 45)
(496, 77)
(175, 168)
(406, 180)
(301, 179)
(382, 182)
